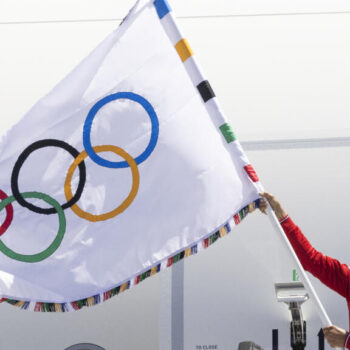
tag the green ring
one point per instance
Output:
(56, 242)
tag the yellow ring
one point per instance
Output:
(134, 188)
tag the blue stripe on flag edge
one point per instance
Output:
(97, 299)
(162, 7)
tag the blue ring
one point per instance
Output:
(91, 115)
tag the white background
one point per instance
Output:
(277, 77)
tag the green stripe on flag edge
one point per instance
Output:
(22, 305)
(227, 132)
(97, 299)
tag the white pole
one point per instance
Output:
(307, 284)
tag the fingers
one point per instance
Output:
(267, 195)
(271, 199)
(328, 329)
(335, 336)
(263, 205)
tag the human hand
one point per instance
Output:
(335, 336)
(274, 203)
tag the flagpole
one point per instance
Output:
(186, 55)
(307, 284)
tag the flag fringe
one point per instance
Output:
(97, 299)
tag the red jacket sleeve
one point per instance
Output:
(328, 270)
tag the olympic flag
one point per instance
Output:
(124, 168)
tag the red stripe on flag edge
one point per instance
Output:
(97, 299)
(251, 173)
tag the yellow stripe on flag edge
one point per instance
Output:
(97, 299)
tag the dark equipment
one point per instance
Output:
(248, 345)
(294, 294)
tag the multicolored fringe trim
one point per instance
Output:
(50, 307)
(97, 299)
(20, 304)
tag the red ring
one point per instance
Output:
(9, 214)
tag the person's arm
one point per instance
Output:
(330, 271)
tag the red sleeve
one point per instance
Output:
(328, 270)
(347, 342)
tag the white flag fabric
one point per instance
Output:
(124, 168)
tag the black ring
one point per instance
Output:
(24, 155)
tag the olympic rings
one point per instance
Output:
(21, 159)
(91, 115)
(56, 242)
(78, 162)
(134, 189)
(9, 214)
